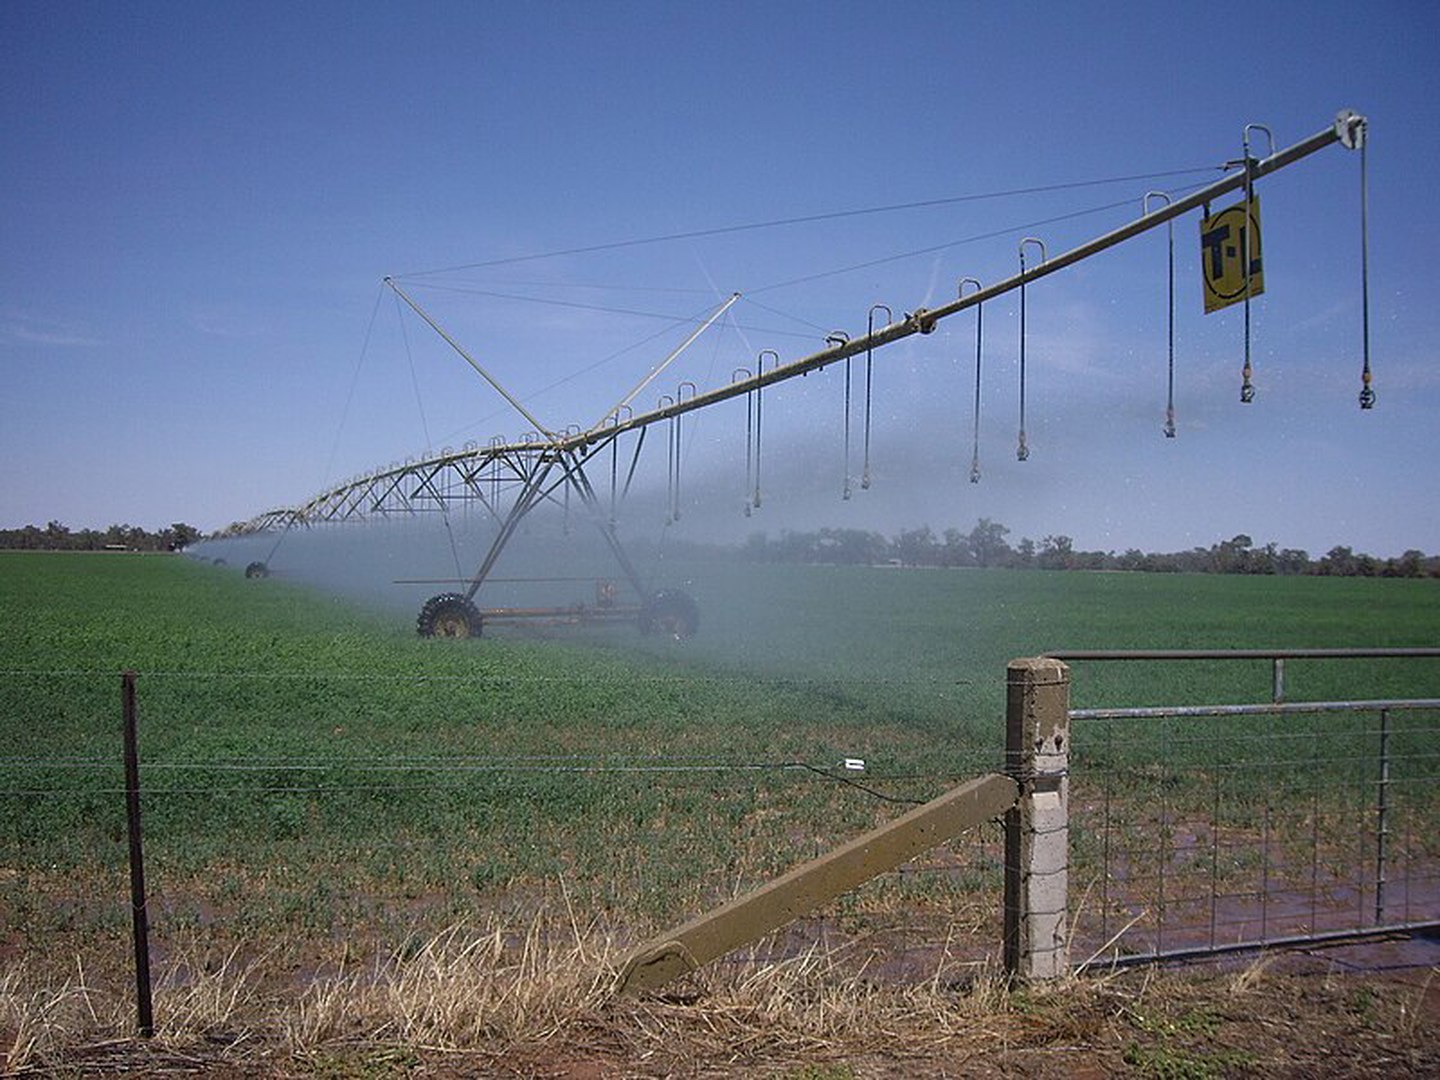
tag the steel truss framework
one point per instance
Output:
(505, 481)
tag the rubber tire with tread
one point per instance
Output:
(257, 570)
(448, 615)
(671, 612)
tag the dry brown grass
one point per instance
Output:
(43, 1018)
(494, 988)
(467, 990)
(461, 989)
(37, 1021)
(534, 999)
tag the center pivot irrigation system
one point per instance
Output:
(511, 479)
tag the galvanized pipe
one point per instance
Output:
(1405, 652)
(1164, 712)
(1220, 948)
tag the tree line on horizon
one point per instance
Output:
(986, 545)
(58, 537)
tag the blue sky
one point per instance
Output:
(200, 202)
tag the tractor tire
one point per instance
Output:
(257, 570)
(671, 612)
(448, 615)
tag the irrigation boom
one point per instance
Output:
(1348, 129)
(509, 479)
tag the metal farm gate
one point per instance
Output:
(1201, 829)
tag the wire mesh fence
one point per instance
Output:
(1204, 829)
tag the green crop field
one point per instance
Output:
(310, 765)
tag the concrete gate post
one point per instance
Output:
(1037, 829)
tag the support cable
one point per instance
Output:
(784, 315)
(588, 368)
(709, 375)
(354, 381)
(425, 430)
(414, 380)
(665, 316)
(592, 286)
(291, 518)
(658, 368)
(935, 248)
(541, 428)
(811, 218)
